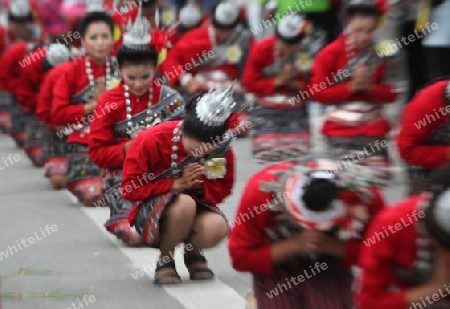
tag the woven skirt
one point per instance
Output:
(112, 182)
(328, 287)
(33, 140)
(280, 135)
(6, 104)
(149, 217)
(54, 149)
(362, 150)
(84, 178)
(19, 120)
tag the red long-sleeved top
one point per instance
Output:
(249, 250)
(72, 81)
(103, 149)
(31, 77)
(150, 154)
(45, 95)
(425, 113)
(330, 62)
(383, 254)
(11, 39)
(12, 62)
(188, 54)
(261, 56)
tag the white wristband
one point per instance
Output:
(185, 79)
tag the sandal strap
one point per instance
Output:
(165, 265)
(189, 259)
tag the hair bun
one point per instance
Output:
(320, 193)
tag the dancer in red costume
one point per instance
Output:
(423, 141)
(27, 90)
(54, 142)
(277, 69)
(350, 75)
(75, 98)
(178, 172)
(298, 230)
(406, 261)
(21, 27)
(137, 99)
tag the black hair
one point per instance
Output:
(320, 193)
(218, 25)
(194, 128)
(183, 29)
(364, 10)
(95, 17)
(148, 3)
(134, 55)
(20, 19)
(440, 183)
(289, 41)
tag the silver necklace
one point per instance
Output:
(129, 110)
(175, 139)
(91, 76)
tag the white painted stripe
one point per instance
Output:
(211, 294)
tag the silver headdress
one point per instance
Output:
(94, 6)
(190, 15)
(214, 108)
(226, 13)
(442, 211)
(290, 26)
(57, 54)
(19, 8)
(138, 34)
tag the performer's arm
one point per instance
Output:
(253, 79)
(136, 170)
(43, 108)
(103, 150)
(25, 89)
(418, 122)
(216, 190)
(64, 113)
(378, 92)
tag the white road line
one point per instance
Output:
(212, 294)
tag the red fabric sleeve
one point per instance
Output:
(248, 250)
(8, 74)
(376, 275)
(64, 113)
(143, 152)
(43, 108)
(217, 190)
(25, 90)
(252, 78)
(322, 74)
(353, 247)
(419, 120)
(103, 150)
(175, 60)
(2, 40)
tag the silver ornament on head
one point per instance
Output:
(57, 54)
(361, 2)
(94, 6)
(190, 15)
(226, 13)
(442, 211)
(215, 107)
(19, 8)
(138, 33)
(290, 25)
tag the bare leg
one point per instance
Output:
(210, 229)
(178, 221)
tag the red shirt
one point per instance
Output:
(150, 154)
(249, 249)
(72, 81)
(186, 56)
(31, 77)
(327, 64)
(12, 62)
(103, 149)
(380, 258)
(10, 39)
(261, 56)
(45, 96)
(425, 113)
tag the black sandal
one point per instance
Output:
(165, 278)
(189, 260)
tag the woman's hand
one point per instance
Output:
(190, 178)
